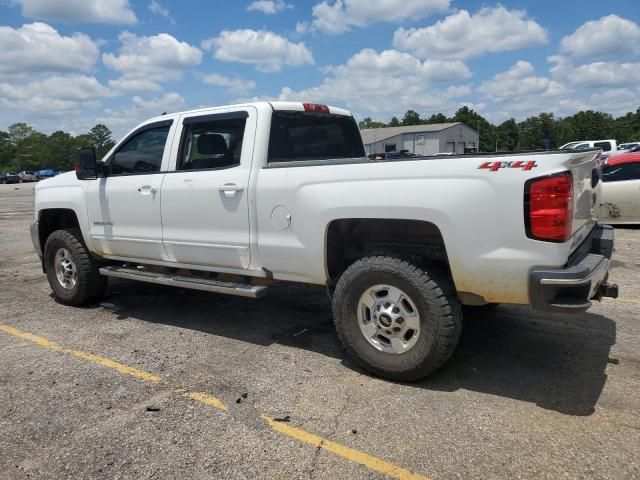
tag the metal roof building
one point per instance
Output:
(422, 139)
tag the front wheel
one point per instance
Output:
(395, 319)
(72, 272)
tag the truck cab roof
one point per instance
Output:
(279, 105)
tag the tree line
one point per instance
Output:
(543, 131)
(24, 148)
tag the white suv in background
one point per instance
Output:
(607, 146)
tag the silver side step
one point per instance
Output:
(230, 288)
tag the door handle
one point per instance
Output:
(147, 189)
(230, 189)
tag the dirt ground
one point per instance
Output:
(163, 383)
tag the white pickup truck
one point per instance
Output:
(233, 199)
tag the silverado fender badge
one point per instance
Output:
(495, 166)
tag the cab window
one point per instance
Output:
(619, 173)
(212, 144)
(308, 136)
(605, 146)
(142, 153)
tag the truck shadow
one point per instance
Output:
(557, 362)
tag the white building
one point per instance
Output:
(421, 139)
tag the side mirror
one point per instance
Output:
(86, 164)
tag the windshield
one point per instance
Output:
(305, 136)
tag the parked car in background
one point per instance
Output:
(620, 202)
(627, 147)
(607, 146)
(27, 176)
(9, 178)
(47, 173)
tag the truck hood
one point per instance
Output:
(66, 179)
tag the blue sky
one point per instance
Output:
(67, 64)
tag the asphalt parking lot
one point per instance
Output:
(162, 383)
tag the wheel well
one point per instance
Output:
(53, 219)
(351, 239)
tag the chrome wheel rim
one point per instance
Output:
(66, 271)
(388, 319)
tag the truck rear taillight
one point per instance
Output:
(548, 206)
(315, 107)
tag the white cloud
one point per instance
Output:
(616, 101)
(458, 91)
(159, 9)
(233, 85)
(268, 7)
(596, 74)
(121, 120)
(169, 102)
(463, 36)
(61, 93)
(145, 61)
(38, 48)
(134, 85)
(606, 74)
(608, 37)
(520, 81)
(342, 15)
(266, 50)
(387, 83)
(80, 11)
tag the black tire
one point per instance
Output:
(90, 285)
(440, 312)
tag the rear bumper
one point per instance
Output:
(583, 279)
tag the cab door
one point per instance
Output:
(621, 193)
(124, 205)
(205, 198)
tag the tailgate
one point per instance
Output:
(586, 193)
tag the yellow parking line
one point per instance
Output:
(105, 362)
(380, 466)
(356, 456)
(120, 367)
(206, 399)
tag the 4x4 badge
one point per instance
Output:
(495, 166)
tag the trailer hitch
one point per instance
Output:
(607, 290)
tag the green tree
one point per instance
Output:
(100, 138)
(508, 135)
(61, 150)
(394, 122)
(437, 118)
(7, 152)
(627, 127)
(411, 117)
(368, 123)
(32, 152)
(18, 132)
(539, 132)
(476, 121)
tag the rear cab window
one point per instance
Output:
(605, 146)
(307, 136)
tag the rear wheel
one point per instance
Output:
(397, 320)
(72, 272)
